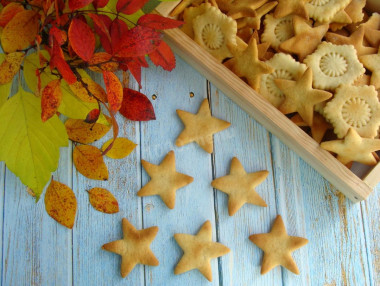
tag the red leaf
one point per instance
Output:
(135, 68)
(163, 56)
(114, 90)
(118, 30)
(82, 39)
(136, 106)
(130, 6)
(138, 41)
(50, 99)
(92, 116)
(77, 4)
(59, 35)
(100, 3)
(100, 26)
(8, 12)
(158, 22)
(104, 39)
(58, 61)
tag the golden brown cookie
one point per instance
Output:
(291, 7)
(372, 63)
(198, 251)
(240, 186)
(324, 10)
(134, 247)
(255, 22)
(278, 247)
(200, 127)
(277, 31)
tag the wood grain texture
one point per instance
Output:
(312, 208)
(195, 202)
(249, 142)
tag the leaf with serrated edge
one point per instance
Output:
(29, 147)
(61, 203)
(85, 133)
(102, 200)
(121, 148)
(89, 162)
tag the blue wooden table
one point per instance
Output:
(344, 237)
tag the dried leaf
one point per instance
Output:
(96, 91)
(85, 133)
(136, 106)
(10, 66)
(82, 39)
(89, 162)
(158, 22)
(8, 12)
(114, 90)
(102, 200)
(20, 32)
(163, 56)
(77, 4)
(121, 148)
(102, 62)
(50, 99)
(130, 6)
(61, 203)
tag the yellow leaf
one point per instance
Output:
(102, 200)
(10, 66)
(20, 32)
(61, 203)
(89, 162)
(29, 147)
(5, 89)
(121, 148)
(95, 89)
(85, 133)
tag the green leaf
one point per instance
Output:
(5, 89)
(29, 147)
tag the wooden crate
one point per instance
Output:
(357, 183)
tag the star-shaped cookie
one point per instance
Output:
(353, 148)
(246, 64)
(200, 127)
(165, 180)
(278, 247)
(306, 38)
(372, 63)
(300, 96)
(198, 251)
(240, 186)
(291, 7)
(134, 247)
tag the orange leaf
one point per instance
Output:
(20, 32)
(89, 162)
(85, 133)
(51, 99)
(10, 66)
(82, 39)
(61, 203)
(96, 91)
(102, 62)
(92, 116)
(114, 90)
(58, 61)
(121, 148)
(8, 12)
(102, 200)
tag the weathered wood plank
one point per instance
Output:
(195, 202)
(91, 264)
(37, 250)
(312, 208)
(2, 193)
(249, 142)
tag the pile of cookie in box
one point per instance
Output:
(317, 61)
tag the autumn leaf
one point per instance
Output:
(118, 31)
(100, 3)
(105, 38)
(29, 147)
(50, 99)
(58, 61)
(114, 90)
(5, 90)
(92, 116)
(61, 203)
(158, 22)
(121, 148)
(136, 106)
(89, 162)
(77, 4)
(59, 35)
(82, 39)
(20, 31)
(8, 12)
(163, 56)
(130, 6)
(110, 9)
(138, 41)
(85, 133)
(100, 26)
(102, 61)
(10, 66)
(96, 91)
(102, 200)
